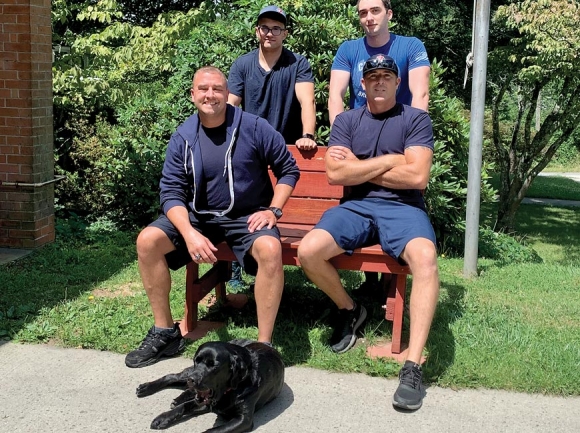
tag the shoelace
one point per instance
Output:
(148, 340)
(411, 376)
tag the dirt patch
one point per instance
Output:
(125, 290)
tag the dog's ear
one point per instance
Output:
(239, 370)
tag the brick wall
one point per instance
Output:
(26, 140)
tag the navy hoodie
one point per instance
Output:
(253, 147)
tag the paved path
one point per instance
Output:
(48, 389)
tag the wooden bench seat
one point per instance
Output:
(311, 197)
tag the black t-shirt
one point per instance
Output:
(368, 135)
(215, 191)
(270, 94)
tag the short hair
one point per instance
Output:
(386, 4)
(210, 69)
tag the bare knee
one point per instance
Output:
(153, 242)
(267, 251)
(315, 246)
(421, 255)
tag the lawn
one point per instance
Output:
(515, 327)
(554, 186)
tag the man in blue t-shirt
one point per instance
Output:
(383, 152)
(411, 58)
(408, 52)
(274, 83)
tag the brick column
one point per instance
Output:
(26, 135)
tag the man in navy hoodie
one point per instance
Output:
(215, 186)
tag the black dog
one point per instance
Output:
(230, 379)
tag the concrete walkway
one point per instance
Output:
(48, 389)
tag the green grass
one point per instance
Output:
(553, 187)
(515, 327)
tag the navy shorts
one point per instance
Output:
(363, 222)
(217, 229)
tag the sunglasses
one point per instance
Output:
(380, 63)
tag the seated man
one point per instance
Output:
(383, 152)
(215, 186)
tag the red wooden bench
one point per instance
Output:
(311, 197)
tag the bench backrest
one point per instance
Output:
(312, 195)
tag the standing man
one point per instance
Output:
(408, 52)
(383, 152)
(274, 83)
(215, 186)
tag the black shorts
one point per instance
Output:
(217, 229)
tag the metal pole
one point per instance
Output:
(476, 136)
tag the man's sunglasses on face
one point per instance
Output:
(276, 31)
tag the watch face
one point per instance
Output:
(277, 212)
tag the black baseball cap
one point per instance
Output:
(380, 61)
(273, 12)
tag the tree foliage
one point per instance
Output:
(536, 66)
(131, 90)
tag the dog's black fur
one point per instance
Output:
(231, 379)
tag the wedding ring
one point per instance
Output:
(197, 257)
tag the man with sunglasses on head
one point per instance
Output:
(383, 153)
(411, 58)
(274, 83)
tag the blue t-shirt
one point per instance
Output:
(270, 94)
(408, 52)
(368, 135)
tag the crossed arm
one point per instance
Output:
(408, 171)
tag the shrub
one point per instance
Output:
(505, 248)
(117, 163)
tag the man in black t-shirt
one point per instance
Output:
(383, 152)
(274, 83)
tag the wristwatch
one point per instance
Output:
(276, 211)
(307, 135)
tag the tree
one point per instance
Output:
(538, 63)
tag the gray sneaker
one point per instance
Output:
(347, 324)
(409, 394)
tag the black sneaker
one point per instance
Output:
(154, 346)
(346, 324)
(409, 394)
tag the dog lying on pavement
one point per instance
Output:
(232, 380)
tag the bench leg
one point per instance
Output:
(196, 288)
(395, 309)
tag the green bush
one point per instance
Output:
(114, 164)
(505, 248)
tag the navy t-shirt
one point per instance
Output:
(270, 94)
(214, 182)
(368, 135)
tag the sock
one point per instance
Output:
(159, 330)
(412, 364)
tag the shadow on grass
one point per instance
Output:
(56, 273)
(554, 187)
(300, 309)
(554, 226)
(548, 225)
(441, 343)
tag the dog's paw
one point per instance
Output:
(160, 423)
(144, 390)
